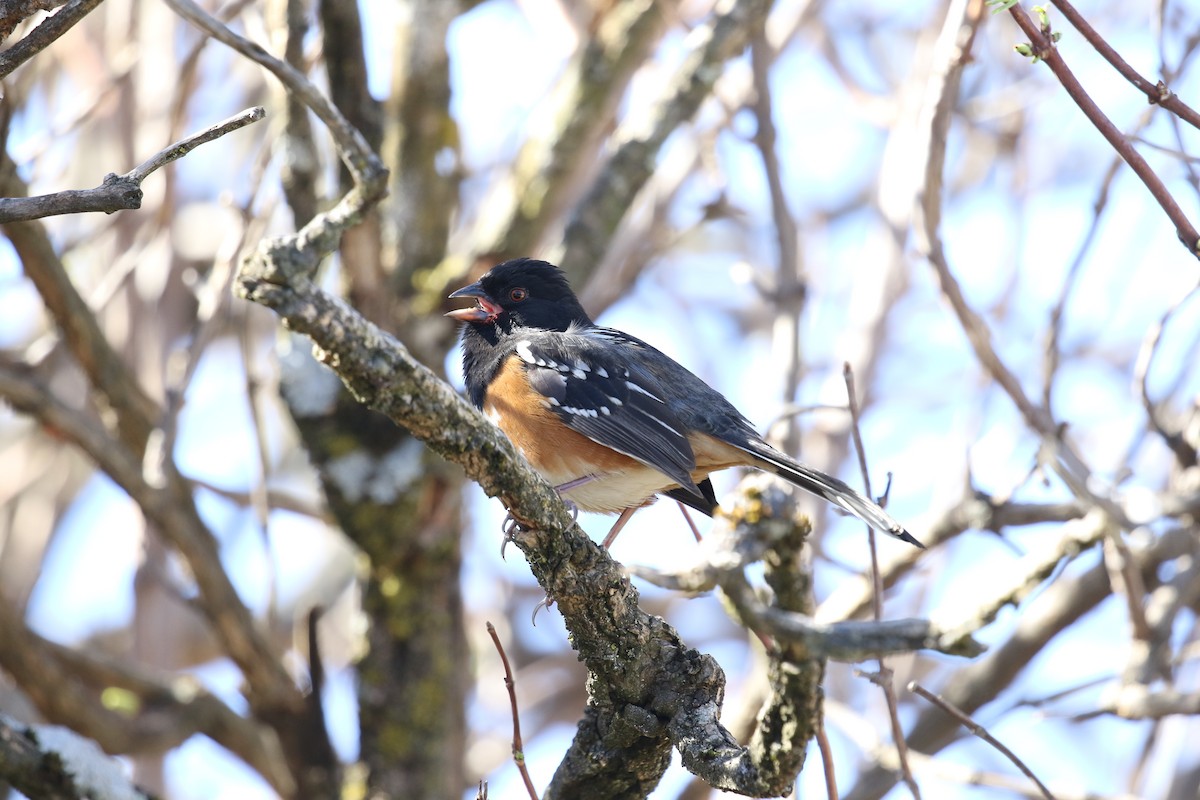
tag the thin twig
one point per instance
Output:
(190, 143)
(860, 451)
(518, 746)
(885, 673)
(1044, 48)
(1156, 93)
(791, 286)
(1054, 333)
(980, 731)
(826, 749)
(1183, 451)
(118, 192)
(358, 156)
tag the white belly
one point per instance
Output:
(613, 492)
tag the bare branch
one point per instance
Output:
(598, 215)
(885, 675)
(170, 507)
(1027, 575)
(518, 746)
(738, 540)
(1054, 610)
(1184, 452)
(118, 192)
(980, 731)
(852, 599)
(554, 165)
(358, 156)
(1156, 93)
(45, 34)
(1044, 48)
(1137, 701)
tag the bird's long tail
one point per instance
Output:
(833, 490)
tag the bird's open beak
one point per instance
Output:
(484, 310)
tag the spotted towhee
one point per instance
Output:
(605, 417)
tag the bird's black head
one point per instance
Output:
(522, 293)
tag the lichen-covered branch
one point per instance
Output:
(53, 763)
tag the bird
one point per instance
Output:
(606, 418)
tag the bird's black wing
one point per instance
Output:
(700, 408)
(587, 382)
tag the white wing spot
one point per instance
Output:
(640, 390)
(660, 422)
(602, 372)
(526, 354)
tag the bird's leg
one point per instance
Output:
(569, 485)
(683, 510)
(617, 526)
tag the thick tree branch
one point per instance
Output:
(53, 763)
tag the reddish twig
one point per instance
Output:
(1043, 48)
(980, 731)
(885, 673)
(518, 746)
(1156, 93)
(826, 749)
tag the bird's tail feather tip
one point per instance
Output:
(905, 536)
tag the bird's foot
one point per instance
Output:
(510, 527)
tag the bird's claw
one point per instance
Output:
(510, 528)
(545, 603)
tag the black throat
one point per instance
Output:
(485, 346)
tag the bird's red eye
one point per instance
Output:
(517, 295)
